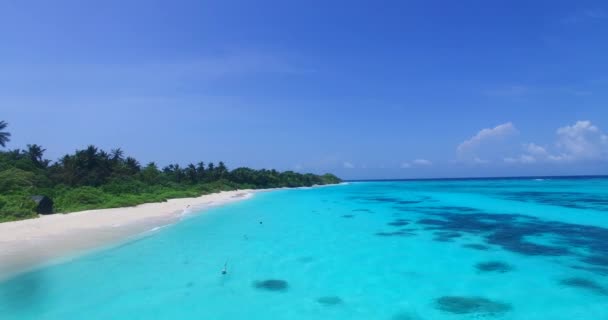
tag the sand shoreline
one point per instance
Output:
(27, 244)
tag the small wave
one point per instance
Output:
(159, 227)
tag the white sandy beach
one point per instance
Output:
(30, 243)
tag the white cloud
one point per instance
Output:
(501, 130)
(416, 163)
(578, 142)
(348, 165)
(535, 149)
(468, 149)
(582, 141)
(532, 153)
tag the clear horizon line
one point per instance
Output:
(480, 178)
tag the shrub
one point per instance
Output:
(16, 207)
(82, 198)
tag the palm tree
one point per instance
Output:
(222, 171)
(35, 152)
(200, 171)
(211, 171)
(116, 154)
(174, 172)
(4, 136)
(69, 169)
(132, 165)
(150, 173)
(190, 172)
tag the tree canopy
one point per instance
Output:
(93, 178)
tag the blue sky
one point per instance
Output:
(401, 89)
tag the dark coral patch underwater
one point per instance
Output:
(306, 259)
(597, 260)
(511, 232)
(446, 236)
(467, 305)
(271, 285)
(393, 200)
(444, 209)
(399, 223)
(476, 246)
(597, 270)
(330, 301)
(399, 233)
(584, 284)
(494, 266)
(576, 200)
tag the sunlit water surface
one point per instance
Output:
(461, 249)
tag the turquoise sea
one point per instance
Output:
(435, 249)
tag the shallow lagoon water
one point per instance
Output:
(449, 249)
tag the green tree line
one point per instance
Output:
(92, 178)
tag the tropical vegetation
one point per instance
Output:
(4, 136)
(92, 178)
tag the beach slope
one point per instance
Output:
(29, 243)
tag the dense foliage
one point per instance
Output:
(93, 178)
